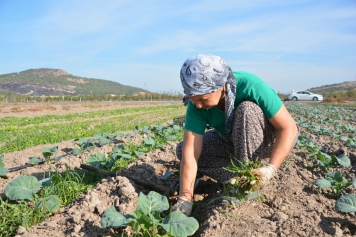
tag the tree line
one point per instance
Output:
(165, 96)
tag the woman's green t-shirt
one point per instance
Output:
(249, 87)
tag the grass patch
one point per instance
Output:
(67, 186)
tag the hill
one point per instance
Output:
(46, 81)
(337, 87)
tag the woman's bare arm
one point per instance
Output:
(287, 133)
(192, 146)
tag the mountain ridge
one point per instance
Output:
(49, 81)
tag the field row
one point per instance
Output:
(25, 133)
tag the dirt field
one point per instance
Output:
(39, 109)
(292, 205)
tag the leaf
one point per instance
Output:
(176, 128)
(179, 225)
(343, 160)
(112, 218)
(3, 171)
(139, 153)
(96, 159)
(149, 141)
(344, 138)
(170, 137)
(153, 202)
(323, 183)
(49, 204)
(58, 158)
(77, 151)
(45, 182)
(332, 176)
(22, 188)
(346, 203)
(125, 156)
(35, 160)
(103, 141)
(50, 150)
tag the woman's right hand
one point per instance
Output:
(184, 206)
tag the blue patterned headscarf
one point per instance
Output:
(207, 73)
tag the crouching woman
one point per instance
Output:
(249, 122)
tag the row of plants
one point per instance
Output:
(23, 138)
(329, 166)
(40, 198)
(8, 122)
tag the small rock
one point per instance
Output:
(76, 217)
(279, 217)
(333, 230)
(77, 228)
(117, 202)
(62, 222)
(100, 209)
(21, 230)
(198, 197)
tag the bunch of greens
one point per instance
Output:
(245, 181)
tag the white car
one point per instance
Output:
(304, 95)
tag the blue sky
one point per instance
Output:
(289, 44)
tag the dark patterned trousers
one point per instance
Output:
(252, 138)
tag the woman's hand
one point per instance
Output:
(265, 173)
(183, 205)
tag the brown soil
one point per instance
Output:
(39, 109)
(292, 205)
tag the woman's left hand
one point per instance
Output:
(265, 173)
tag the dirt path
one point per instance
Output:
(39, 109)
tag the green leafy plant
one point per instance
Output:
(245, 182)
(147, 219)
(326, 161)
(84, 144)
(346, 203)
(22, 188)
(35, 160)
(48, 204)
(48, 152)
(336, 182)
(105, 138)
(100, 160)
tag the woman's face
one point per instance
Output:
(207, 101)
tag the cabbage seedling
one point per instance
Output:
(146, 220)
(336, 182)
(48, 152)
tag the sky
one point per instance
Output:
(294, 44)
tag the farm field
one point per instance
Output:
(143, 157)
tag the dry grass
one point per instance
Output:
(334, 100)
(41, 108)
(91, 106)
(17, 109)
(66, 107)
